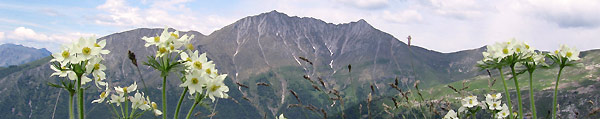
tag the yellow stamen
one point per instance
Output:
(96, 45)
(214, 88)
(208, 71)
(86, 50)
(156, 39)
(198, 65)
(66, 54)
(569, 54)
(154, 105)
(96, 66)
(505, 51)
(194, 80)
(103, 95)
(162, 50)
(125, 89)
(175, 35)
(189, 46)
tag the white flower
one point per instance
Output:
(216, 87)
(210, 69)
(493, 97)
(128, 89)
(103, 95)
(138, 101)
(58, 72)
(194, 82)
(451, 115)
(494, 105)
(66, 55)
(470, 101)
(570, 53)
(155, 109)
(117, 99)
(503, 113)
(196, 62)
(162, 39)
(101, 45)
(539, 59)
(97, 70)
(86, 49)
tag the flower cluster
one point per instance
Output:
(570, 53)
(81, 58)
(168, 42)
(201, 73)
(138, 101)
(470, 106)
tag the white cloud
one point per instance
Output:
(26, 34)
(173, 13)
(577, 13)
(1, 36)
(402, 16)
(366, 4)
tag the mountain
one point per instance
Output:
(265, 48)
(18, 54)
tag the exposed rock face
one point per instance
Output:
(258, 49)
(18, 54)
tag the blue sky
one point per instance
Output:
(441, 25)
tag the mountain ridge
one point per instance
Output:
(264, 48)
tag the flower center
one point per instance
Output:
(208, 71)
(194, 80)
(156, 39)
(96, 66)
(569, 54)
(175, 35)
(214, 88)
(493, 95)
(103, 95)
(198, 65)
(556, 52)
(505, 51)
(96, 45)
(66, 54)
(527, 46)
(154, 105)
(86, 50)
(518, 49)
(172, 47)
(162, 50)
(470, 101)
(494, 104)
(125, 89)
(189, 46)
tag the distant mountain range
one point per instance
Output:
(265, 48)
(18, 54)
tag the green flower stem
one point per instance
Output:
(556, 93)
(520, 115)
(179, 103)
(192, 109)
(532, 101)
(80, 97)
(132, 112)
(164, 96)
(506, 92)
(71, 114)
(126, 105)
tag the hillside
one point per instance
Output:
(265, 48)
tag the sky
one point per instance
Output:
(440, 25)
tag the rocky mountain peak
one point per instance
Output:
(13, 54)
